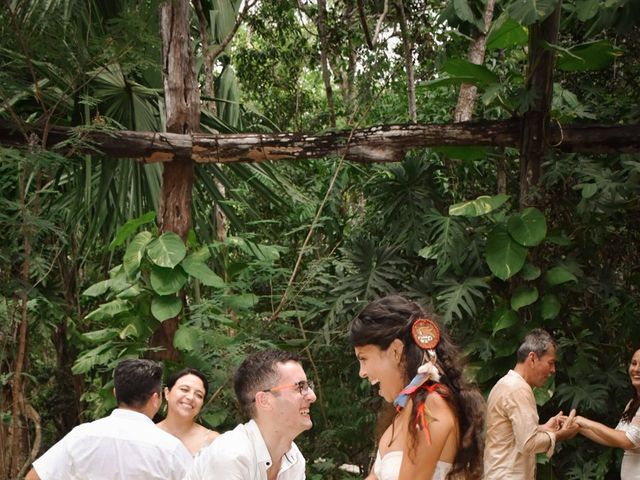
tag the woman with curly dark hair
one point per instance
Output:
(436, 432)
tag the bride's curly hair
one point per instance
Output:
(391, 317)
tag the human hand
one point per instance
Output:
(553, 424)
(568, 428)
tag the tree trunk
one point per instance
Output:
(18, 428)
(407, 46)
(535, 122)
(477, 49)
(324, 59)
(182, 101)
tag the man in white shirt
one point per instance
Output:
(513, 435)
(273, 391)
(125, 445)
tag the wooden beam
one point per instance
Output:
(387, 143)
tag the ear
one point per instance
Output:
(263, 401)
(397, 349)
(166, 392)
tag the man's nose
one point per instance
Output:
(362, 372)
(311, 396)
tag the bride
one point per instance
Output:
(436, 431)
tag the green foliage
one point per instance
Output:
(431, 227)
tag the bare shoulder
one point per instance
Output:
(439, 407)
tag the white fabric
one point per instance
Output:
(388, 467)
(631, 461)
(513, 435)
(126, 445)
(241, 454)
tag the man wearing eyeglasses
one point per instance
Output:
(274, 393)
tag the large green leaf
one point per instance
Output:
(550, 307)
(558, 275)
(97, 289)
(465, 12)
(109, 310)
(167, 281)
(506, 32)
(458, 298)
(167, 250)
(523, 297)
(202, 272)
(480, 206)
(528, 227)
(502, 318)
(165, 307)
(135, 252)
(530, 272)
(188, 339)
(241, 302)
(504, 255)
(587, 9)
(99, 355)
(529, 12)
(131, 226)
(588, 56)
(458, 67)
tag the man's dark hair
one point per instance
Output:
(258, 372)
(537, 341)
(136, 380)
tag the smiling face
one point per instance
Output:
(288, 408)
(634, 371)
(185, 397)
(382, 367)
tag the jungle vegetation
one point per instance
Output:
(285, 253)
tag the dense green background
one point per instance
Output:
(76, 233)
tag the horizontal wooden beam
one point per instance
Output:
(385, 143)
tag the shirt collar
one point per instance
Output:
(519, 377)
(128, 414)
(262, 452)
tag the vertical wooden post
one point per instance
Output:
(536, 119)
(182, 103)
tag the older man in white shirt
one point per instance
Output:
(126, 445)
(513, 435)
(274, 392)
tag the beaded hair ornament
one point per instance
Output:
(426, 335)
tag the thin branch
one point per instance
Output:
(381, 18)
(363, 21)
(220, 48)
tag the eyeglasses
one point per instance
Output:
(303, 387)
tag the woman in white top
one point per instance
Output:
(185, 393)
(437, 430)
(626, 435)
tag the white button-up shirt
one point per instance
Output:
(241, 454)
(513, 435)
(126, 445)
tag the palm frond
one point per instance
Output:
(459, 299)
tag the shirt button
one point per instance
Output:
(268, 463)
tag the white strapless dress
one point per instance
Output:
(388, 467)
